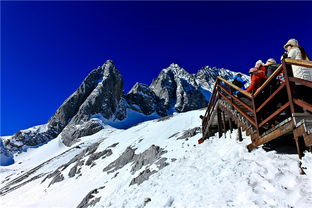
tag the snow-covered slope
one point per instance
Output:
(156, 163)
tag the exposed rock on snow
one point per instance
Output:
(190, 133)
(72, 131)
(88, 200)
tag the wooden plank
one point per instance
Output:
(308, 140)
(236, 99)
(271, 97)
(274, 134)
(272, 77)
(240, 110)
(297, 62)
(299, 131)
(301, 81)
(282, 108)
(235, 87)
(303, 104)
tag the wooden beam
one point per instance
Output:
(231, 124)
(235, 87)
(219, 122)
(303, 104)
(297, 62)
(236, 99)
(271, 97)
(289, 86)
(272, 77)
(282, 108)
(240, 110)
(301, 81)
(239, 134)
(288, 127)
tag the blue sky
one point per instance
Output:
(48, 48)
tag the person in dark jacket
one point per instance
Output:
(271, 66)
(257, 79)
(239, 82)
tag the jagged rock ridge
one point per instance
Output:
(101, 97)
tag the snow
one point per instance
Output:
(218, 173)
(133, 118)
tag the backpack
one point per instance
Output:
(237, 83)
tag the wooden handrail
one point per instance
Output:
(235, 87)
(303, 104)
(271, 97)
(240, 110)
(238, 100)
(301, 81)
(274, 114)
(297, 62)
(273, 76)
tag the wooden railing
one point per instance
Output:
(261, 108)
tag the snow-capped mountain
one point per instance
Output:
(156, 163)
(100, 100)
(95, 156)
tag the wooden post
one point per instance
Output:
(224, 124)
(219, 122)
(231, 125)
(254, 107)
(289, 86)
(239, 134)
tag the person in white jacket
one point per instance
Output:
(294, 51)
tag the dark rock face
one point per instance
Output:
(189, 97)
(105, 100)
(178, 89)
(147, 101)
(71, 105)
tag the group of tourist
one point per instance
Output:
(261, 71)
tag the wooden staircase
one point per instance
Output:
(263, 116)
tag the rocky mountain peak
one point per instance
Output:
(100, 98)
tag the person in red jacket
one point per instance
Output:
(257, 79)
(260, 66)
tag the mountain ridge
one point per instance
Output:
(101, 98)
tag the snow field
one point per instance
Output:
(218, 173)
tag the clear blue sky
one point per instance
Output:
(48, 48)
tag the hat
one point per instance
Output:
(259, 62)
(292, 42)
(270, 61)
(251, 70)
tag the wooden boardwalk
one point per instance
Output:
(266, 114)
